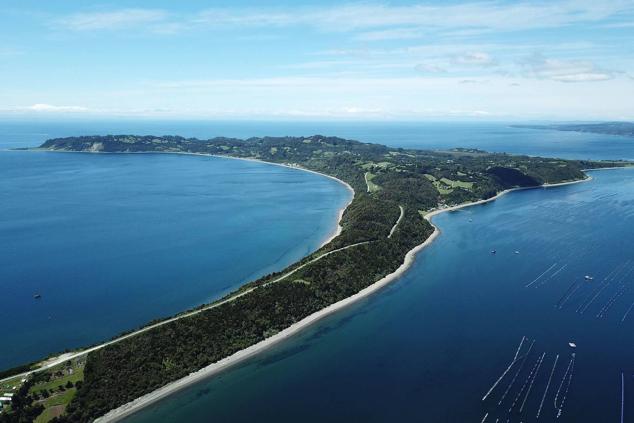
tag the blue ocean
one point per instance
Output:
(539, 331)
(111, 242)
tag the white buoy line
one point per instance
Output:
(535, 382)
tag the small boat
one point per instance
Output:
(37, 296)
(493, 251)
(588, 278)
(572, 345)
(517, 252)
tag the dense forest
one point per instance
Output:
(384, 179)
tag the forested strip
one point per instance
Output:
(129, 369)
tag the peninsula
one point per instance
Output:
(607, 128)
(395, 192)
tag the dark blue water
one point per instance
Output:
(111, 242)
(428, 347)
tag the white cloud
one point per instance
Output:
(567, 70)
(42, 107)
(348, 66)
(475, 58)
(379, 21)
(247, 17)
(480, 15)
(350, 98)
(117, 19)
(398, 97)
(430, 68)
(463, 62)
(469, 113)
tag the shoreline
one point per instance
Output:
(433, 213)
(206, 372)
(61, 358)
(327, 240)
(351, 190)
(213, 369)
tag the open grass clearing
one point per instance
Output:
(372, 187)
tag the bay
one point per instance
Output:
(113, 241)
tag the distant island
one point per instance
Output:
(395, 192)
(609, 128)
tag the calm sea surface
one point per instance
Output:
(426, 348)
(111, 242)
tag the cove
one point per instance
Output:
(113, 241)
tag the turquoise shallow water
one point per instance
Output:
(111, 242)
(428, 347)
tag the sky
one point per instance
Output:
(394, 60)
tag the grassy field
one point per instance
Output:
(53, 384)
(60, 388)
(446, 186)
(442, 188)
(372, 187)
(7, 386)
(379, 165)
(457, 184)
(55, 405)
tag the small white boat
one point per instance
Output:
(588, 277)
(517, 252)
(493, 251)
(572, 345)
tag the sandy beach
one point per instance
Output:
(215, 368)
(433, 213)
